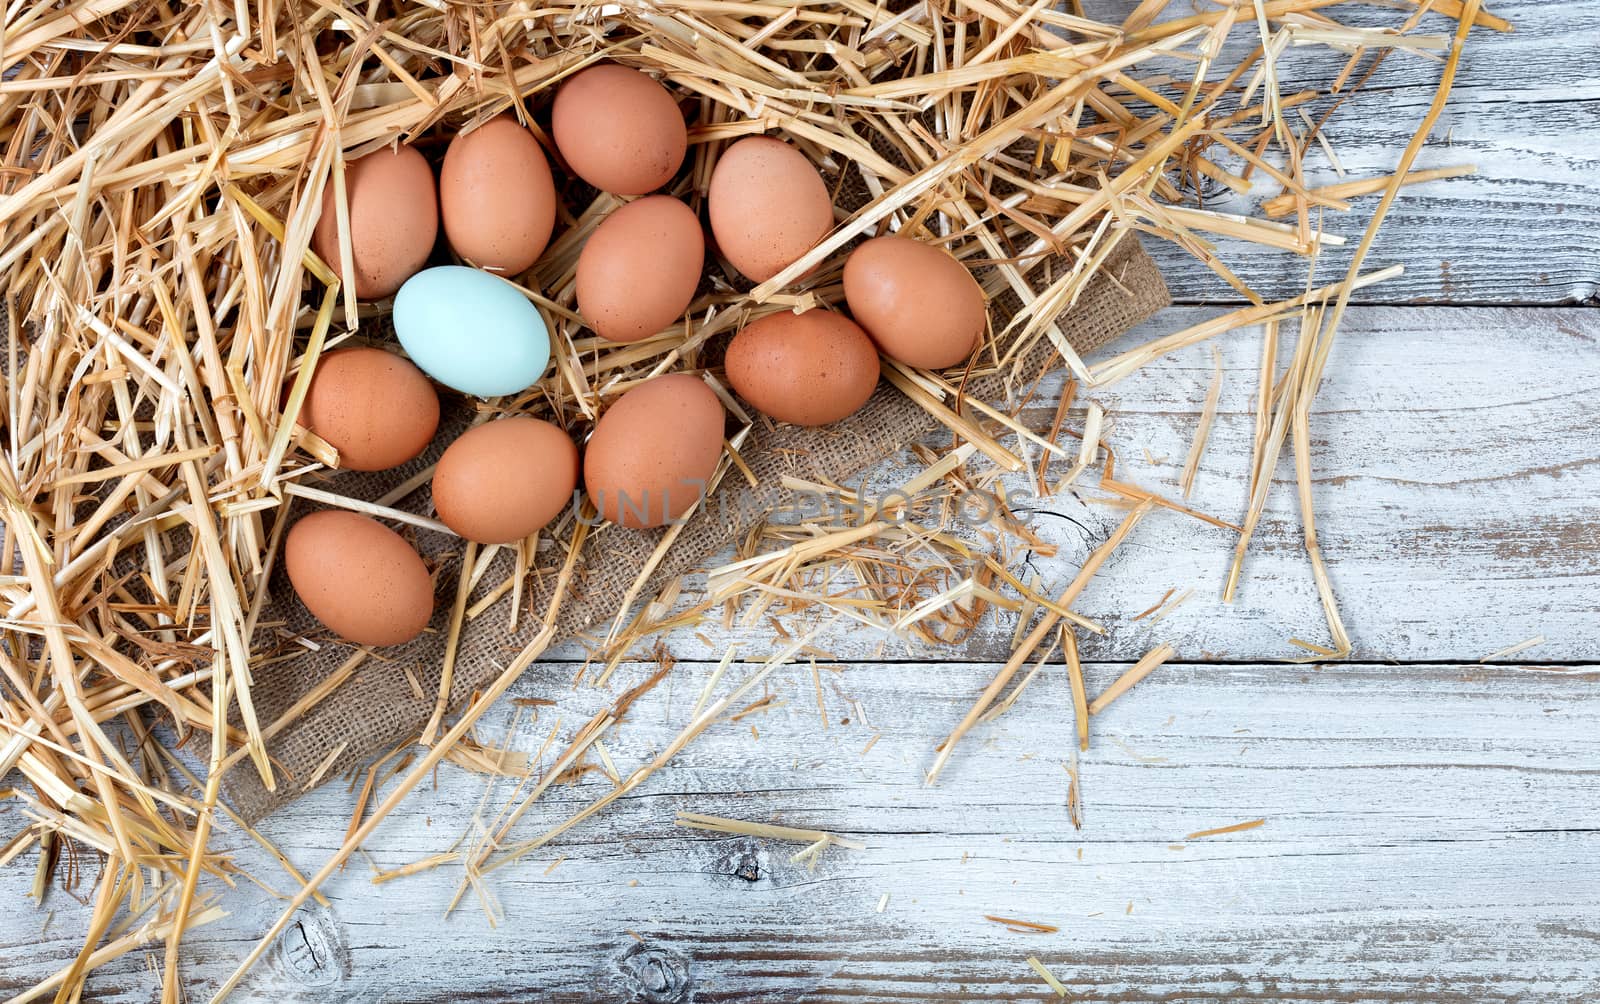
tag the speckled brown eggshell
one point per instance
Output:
(768, 206)
(501, 481)
(917, 302)
(640, 268)
(497, 198)
(653, 451)
(619, 130)
(358, 577)
(376, 408)
(809, 369)
(394, 220)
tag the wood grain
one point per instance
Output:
(1524, 230)
(1430, 833)
(1456, 471)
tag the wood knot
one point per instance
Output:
(655, 975)
(311, 950)
(747, 868)
(740, 859)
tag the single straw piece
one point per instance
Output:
(1283, 205)
(723, 824)
(1047, 976)
(1220, 830)
(1208, 415)
(1080, 704)
(1138, 671)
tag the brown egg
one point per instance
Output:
(374, 407)
(653, 451)
(640, 268)
(768, 206)
(619, 130)
(504, 480)
(809, 369)
(497, 197)
(394, 220)
(358, 577)
(917, 302)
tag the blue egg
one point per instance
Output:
(471, 331)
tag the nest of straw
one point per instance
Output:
(163, 170)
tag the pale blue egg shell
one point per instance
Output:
(471, 331)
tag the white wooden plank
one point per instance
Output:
(1525, 229)
(1456, 473)
(1430, 834)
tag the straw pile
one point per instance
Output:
(163, 167)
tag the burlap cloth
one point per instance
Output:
(378, 708)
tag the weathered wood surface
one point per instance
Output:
(1525, 110)
(1431, 828)
(1431, 833)
(1457, 476)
